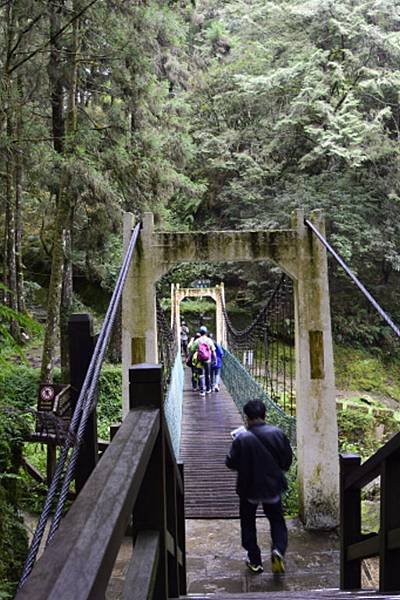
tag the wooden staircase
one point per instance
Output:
(333, 593)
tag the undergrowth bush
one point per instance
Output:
(358, 431)
(13, 537)
(291, 496)
(109, 407)
(358, 369)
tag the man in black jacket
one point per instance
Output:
(260, 454)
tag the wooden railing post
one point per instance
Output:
(350, 524)
(182, 533)
(172, 527)
(81, 346)
(150, 511)
(389, 558)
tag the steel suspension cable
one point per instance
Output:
(89, 405)
(257, 319)
(81, 412)
(355, 280)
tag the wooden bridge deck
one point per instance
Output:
(207, 423)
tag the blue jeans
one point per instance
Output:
(205, 377)
(215, 376)
(279, 535)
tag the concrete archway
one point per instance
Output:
(216, 293)
(299, 254)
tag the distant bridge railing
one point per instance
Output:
(173, 403)
(137, 481)
(356, 546)
(242, 387)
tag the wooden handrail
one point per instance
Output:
(355, 546)
(138, 478)
(370, 469)
(79, 561)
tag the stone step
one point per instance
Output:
(333, 593)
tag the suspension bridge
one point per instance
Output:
(166, 461)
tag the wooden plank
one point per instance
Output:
(371, 467)
(32, 471)
(350, 524)
(205, 441)
(389, 572)
(140, 578)
(394, 539)
(90, 535)
(364, 549)
(81, 346)
(170, 543)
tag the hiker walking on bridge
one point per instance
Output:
(204, 350)
(184, 334)
(260, 454)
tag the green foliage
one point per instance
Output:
(13, 538)
(19, 385)
(370, 371)
(8, 345)
(13, 546)
(109, 408)
(291, 496)
(358, 431)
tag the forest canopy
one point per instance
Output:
(212, 115)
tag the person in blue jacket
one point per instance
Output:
(216, 365)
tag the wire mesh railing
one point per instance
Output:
(243, 387)
(266, 347)
(173, 376)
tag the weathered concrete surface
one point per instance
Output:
(216, 569)
(217, 293)
(316, 425)
(215, 560)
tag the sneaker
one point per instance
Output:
(277, 562)
(254, 568)
(202, 393)
(208, 391)
(216, 388)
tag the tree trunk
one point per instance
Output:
(18, 203)
(66, 301)
(11, 263)
(55, 287)
(61, 268)
(55, 73)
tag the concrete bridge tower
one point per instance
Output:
(299, 254)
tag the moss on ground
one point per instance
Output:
(369, 371)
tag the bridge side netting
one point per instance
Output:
(173, 404)
(243, 387)
(265, 348)
(173, 376)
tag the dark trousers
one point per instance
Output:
(279, 535)
(196, 374)
(205, 379)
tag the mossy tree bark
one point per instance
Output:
(60, 288)
(10, 262)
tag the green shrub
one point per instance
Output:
(358, 431)
(357, 369)
(19, 386)
(291, 496)
(13, 537)
(109, 406)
